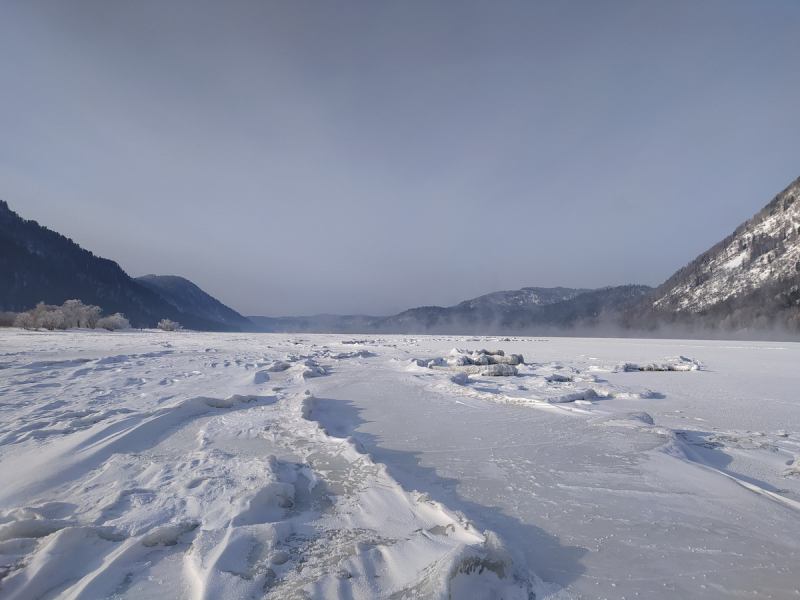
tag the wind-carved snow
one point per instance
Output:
(210, 478)
(183, 465)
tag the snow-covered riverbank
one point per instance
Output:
(189, 465)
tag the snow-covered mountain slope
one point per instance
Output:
(190, 299)
(522, 298)
(749, 278)
(526, 310)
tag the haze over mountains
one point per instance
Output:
(517, 311)
(750, 281)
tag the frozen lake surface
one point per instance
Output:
(193, 465)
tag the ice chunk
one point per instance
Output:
(460, 379)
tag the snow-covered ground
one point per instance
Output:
(191, 465)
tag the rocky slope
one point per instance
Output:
(749, 280)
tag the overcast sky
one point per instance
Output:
(296, 157)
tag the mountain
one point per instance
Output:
(517, 311)
(190, 299)
(522, 298)
(750, 280)
(40, 265)
(506, 309)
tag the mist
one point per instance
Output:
(365, 158)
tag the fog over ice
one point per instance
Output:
(297, 158)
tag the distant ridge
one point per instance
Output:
(40, 265)
(517, 311)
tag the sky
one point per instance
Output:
(297, 157)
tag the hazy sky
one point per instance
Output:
(296, 157)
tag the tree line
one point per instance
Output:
(73, 314)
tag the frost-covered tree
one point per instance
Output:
(71, 310)
(91, 316)
(25, 321)
(48, 316)
(169, 325)
(79, 314)
(114, 322)
(73, 313)
(52, 319)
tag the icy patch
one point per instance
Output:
(460, 379)
(559, 378)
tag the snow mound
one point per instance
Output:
(308, 369)
(625, 393)
(680, 363)
(260, 377)
(636, 418)
(586, 394)
(487, 363)
(460, 357)
(307, 404)
(498, 370)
